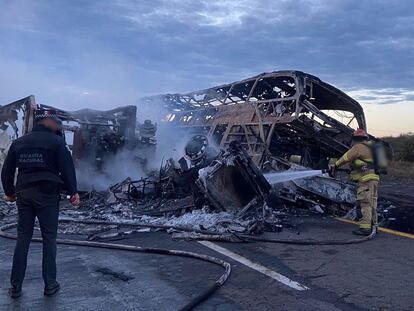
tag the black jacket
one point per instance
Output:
(39, 155)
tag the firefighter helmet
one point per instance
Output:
(360, 133)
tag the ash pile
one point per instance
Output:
(209, 189)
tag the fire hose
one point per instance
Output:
(132, 248)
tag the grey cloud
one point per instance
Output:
(126, 48)
(383, 96)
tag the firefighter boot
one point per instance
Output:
(362, 231)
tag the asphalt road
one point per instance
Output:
(376, 275)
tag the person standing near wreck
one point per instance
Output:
(44, 163)
(361, 159)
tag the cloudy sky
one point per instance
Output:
(105, 53)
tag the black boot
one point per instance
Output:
(15, 292)
(360, 231)
(51, 290)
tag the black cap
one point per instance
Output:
(41, 114)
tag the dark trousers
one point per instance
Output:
(41, 201)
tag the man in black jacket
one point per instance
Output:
(44, 163)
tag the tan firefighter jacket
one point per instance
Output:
(361, 162)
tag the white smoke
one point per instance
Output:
(170, 143)
(115, 169)
(171, 140)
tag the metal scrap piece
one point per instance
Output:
(233, 181)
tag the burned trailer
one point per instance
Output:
(282, 114)
(92, 135)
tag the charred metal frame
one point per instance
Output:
(9, 114)
(279, 113)
(233, 181)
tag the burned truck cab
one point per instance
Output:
(96, 142)
(98, 135)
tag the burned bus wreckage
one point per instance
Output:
(284, 120)
(235, 135)
(278, 114)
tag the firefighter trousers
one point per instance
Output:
(367, 197)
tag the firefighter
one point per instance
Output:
(44, 164)
(361, 159)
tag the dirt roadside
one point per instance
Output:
(399, 215)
